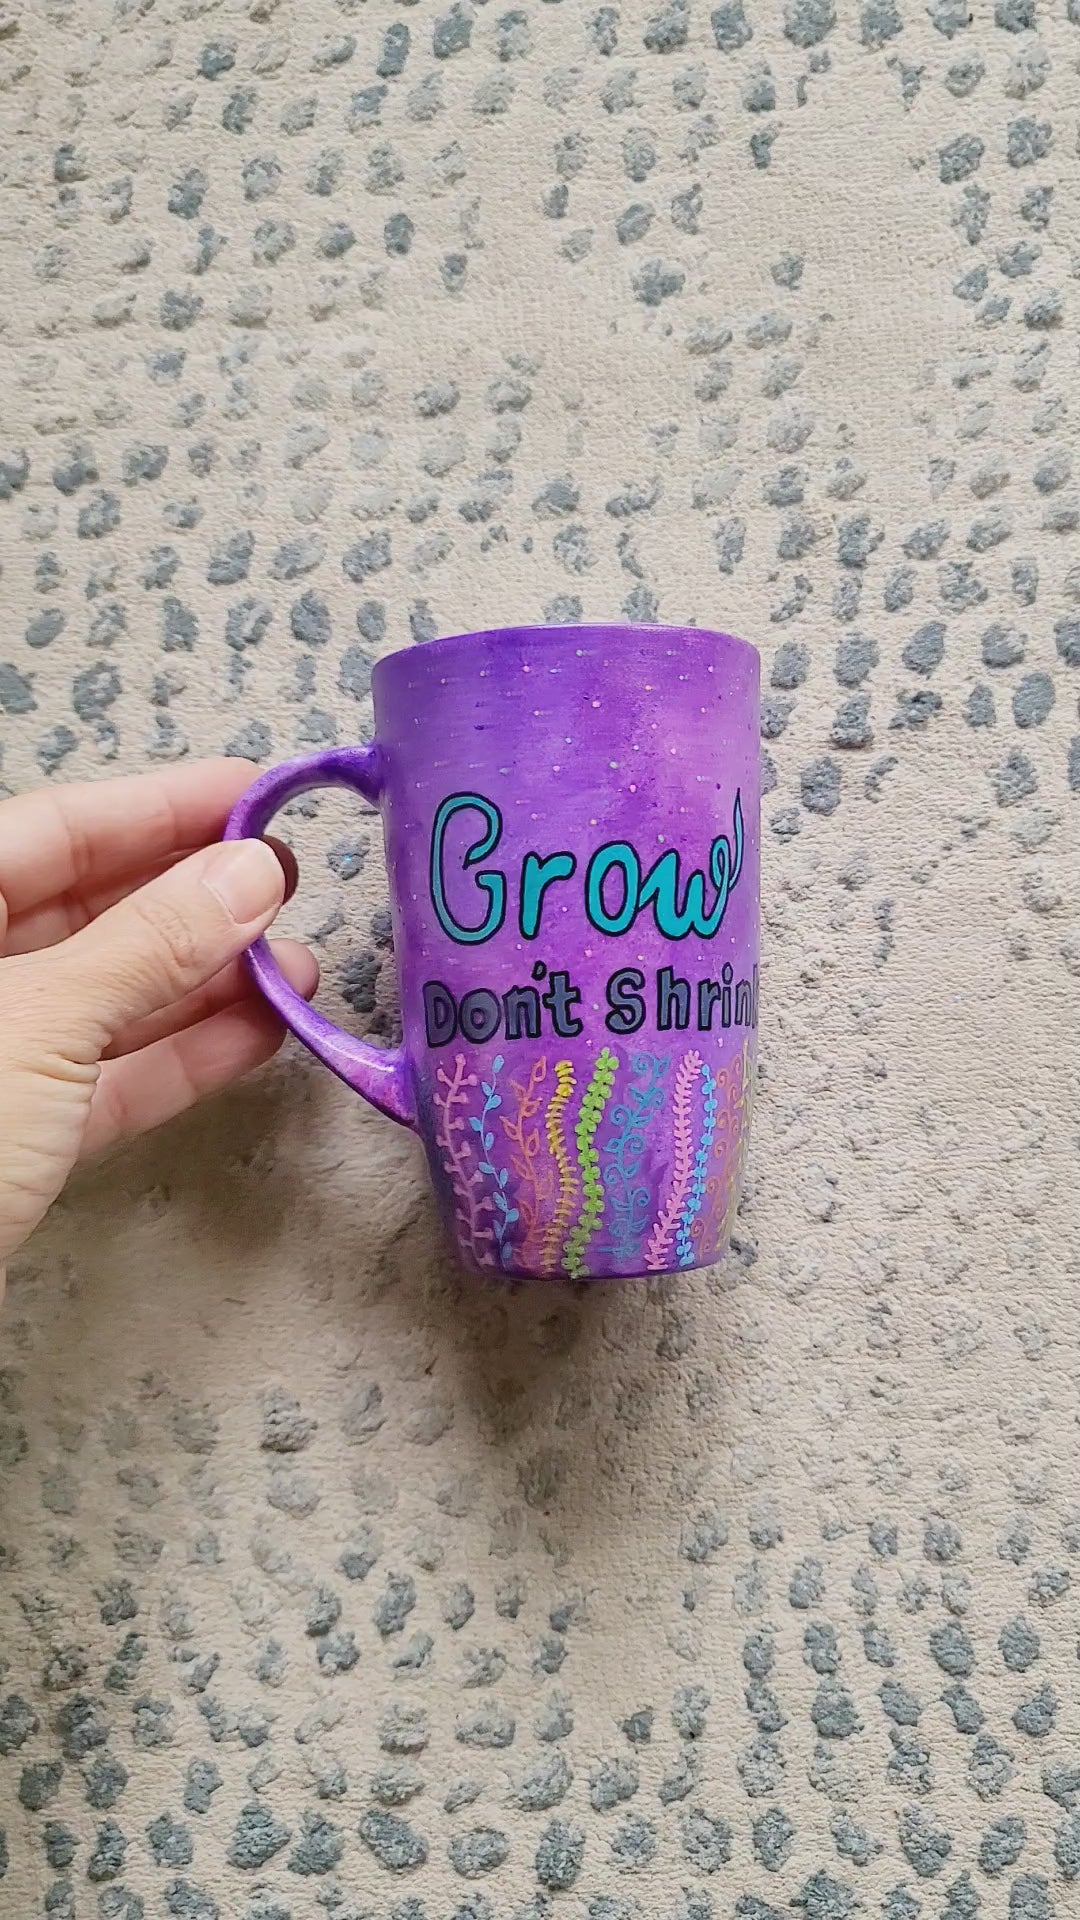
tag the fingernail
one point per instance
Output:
(247, 878)
(287, 861)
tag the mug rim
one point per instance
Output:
(541, 632)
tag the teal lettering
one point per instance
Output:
(536, 877)
(493, 884)
(725, 866)
(604, 861)
(661, 886)
(680, 908)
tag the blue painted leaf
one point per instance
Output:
(475, 1124)
(497, 1064)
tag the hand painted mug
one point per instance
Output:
(572, 836)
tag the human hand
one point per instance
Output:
(123, 998)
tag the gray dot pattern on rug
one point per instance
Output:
(331, 1584)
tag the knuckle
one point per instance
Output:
(43, 1034)
(29, 1002)
(174, 947)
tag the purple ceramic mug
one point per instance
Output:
(572, 838)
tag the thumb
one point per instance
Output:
(171, 936)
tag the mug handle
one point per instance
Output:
(380, 1074)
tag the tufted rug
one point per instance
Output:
(332, 1584)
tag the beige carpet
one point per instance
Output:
(329, 1583)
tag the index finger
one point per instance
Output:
(63, 839)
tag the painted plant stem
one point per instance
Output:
(735, 1085)
(470, 1206)
(594, 1100)
(684, 1242)
(622, 1156)
(555, 1128)
(532, 1170)
(504, 1216)
(657, 1258)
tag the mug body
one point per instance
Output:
(572, 830)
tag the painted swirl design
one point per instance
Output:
(622, 1156)
(684, 1242)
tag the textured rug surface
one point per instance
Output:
(330, 1584)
